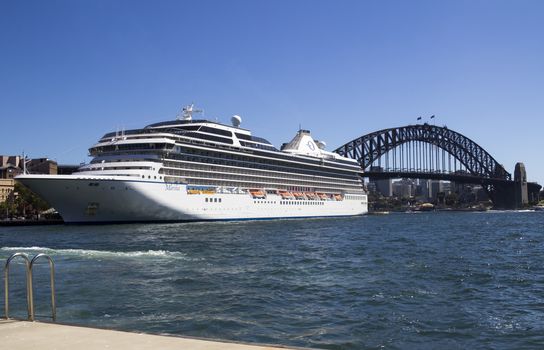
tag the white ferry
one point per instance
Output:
(195, 170)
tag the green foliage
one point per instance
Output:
(451, 199)
(7, 208)
(29, 199)
(22, 202)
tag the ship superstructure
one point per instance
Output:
(196, 169)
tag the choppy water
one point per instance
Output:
(402, 281)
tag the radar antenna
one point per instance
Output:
(187, 112)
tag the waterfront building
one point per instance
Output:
(10, 166)
(436, 187)
(383, 186)
(41, 166)
(6, 188)
(403, 188)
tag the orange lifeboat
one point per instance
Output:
(299, 195)
(311, 195)
(286, 195)
(323, 196)
(256, 193)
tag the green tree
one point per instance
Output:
(23, 202)
(451, 199)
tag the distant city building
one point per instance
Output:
(468, 193)
(371, 186)
(446, 187)
(384, 187)
(42, 166)
(436, 188)
(426, 189)
(10, 167)
(404, 188)
(430, 190)
(6, 188)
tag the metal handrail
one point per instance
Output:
(52, 279)
(29, 287)
(28, 284)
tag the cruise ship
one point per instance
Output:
(196, 170)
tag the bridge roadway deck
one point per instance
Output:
(15, 335)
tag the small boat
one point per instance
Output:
(286, 195)
(311, 195)
(426, 207)
(256, 193)
(299, 195)
(323, 196)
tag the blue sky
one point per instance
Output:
(71, 71)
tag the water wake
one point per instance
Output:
(97, 253)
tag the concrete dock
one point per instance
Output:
(15, 335)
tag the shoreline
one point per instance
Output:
(31, 222)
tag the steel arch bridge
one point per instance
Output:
(424, 151)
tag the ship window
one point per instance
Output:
(215, 131)
(206, 200)
(187, 127)
(243, 137)
(209, 137)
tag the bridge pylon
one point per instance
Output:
(520, 185)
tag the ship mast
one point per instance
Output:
(187, 112)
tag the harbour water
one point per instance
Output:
(399, 281)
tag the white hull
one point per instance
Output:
(96, 199)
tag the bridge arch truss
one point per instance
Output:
(424, 149)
